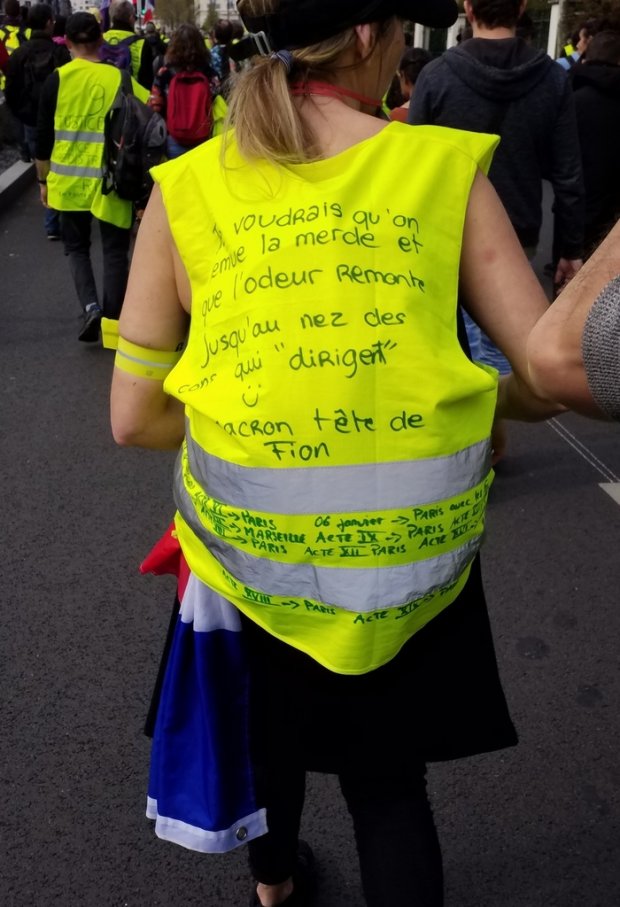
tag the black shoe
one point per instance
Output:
(92, 325)
(304, 880)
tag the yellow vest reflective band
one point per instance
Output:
(85, 94)
(334, 478)
(10, 37)
(116, 35)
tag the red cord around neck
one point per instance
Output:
(327, 90)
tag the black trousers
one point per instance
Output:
(400, 858)
(75, 229)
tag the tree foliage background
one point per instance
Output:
(212, 16)
(576, 11)
(175, 12)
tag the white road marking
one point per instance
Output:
(612, 485)
(612, 489)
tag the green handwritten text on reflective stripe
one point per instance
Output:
(376, 486)
(368, 560)
(356, 589)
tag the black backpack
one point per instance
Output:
(134, 141)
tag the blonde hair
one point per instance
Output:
(266, 120)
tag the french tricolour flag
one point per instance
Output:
(201, 791)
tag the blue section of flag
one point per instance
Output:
(201, 790)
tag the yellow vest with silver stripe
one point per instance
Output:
(336, 467)
(117, 36)
(85, 94)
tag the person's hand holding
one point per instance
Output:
(566, 270)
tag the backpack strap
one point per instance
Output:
(125, 83)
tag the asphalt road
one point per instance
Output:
(81, 633)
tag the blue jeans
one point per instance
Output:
(483, 349)
(51, 219)
(175, 149)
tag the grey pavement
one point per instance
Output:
(81, 635)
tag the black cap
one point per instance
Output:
(82, 28)
(301, 23)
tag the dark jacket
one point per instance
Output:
(597, 101)
(508, 88)
(21, 96)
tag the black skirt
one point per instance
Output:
(440, 698)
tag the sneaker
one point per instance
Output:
(92, 325)
(304, 880)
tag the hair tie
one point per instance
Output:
(284, 56)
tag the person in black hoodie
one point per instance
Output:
(496, 83)
(596, 84)
(28, 68)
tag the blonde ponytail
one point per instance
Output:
(261, 110)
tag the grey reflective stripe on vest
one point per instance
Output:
(352, 589)
(146, 362)
(70, 170)
(70, 135)
(330, 489)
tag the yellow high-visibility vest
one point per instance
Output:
(85, 94)
(334, 477)
(117, 36)
(10, 36)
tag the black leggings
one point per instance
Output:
(400, 858)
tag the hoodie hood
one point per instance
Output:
(602, 77)
(501, 69)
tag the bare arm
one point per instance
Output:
(555, 345)
(504, 297)
(155, 315)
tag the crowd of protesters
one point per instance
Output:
(572, 123)
(319, 110)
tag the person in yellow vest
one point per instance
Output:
(123, 22)
(335, 442)
(69, 153)
(12, 31)
(12, 35)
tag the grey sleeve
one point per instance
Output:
(601, 349)
(420, 105)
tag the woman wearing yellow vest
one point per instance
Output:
(335, 461)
